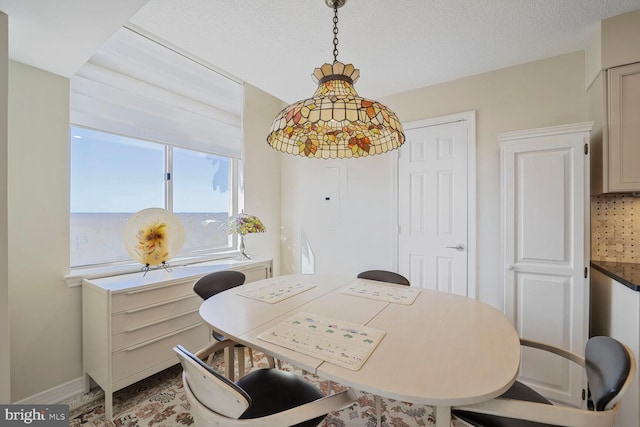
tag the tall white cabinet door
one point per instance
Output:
(545, 251)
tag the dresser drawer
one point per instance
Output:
(142, 297)
(137, 358)
(256, 274)
(138, 317)
(140, 334)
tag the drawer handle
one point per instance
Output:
(158, 304)
(179, 331)
(175, 316)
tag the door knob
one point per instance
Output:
(458, 247)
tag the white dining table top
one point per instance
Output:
(441, 350)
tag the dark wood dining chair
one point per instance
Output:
(263, 397)
(610, 369)
(384, 276)
(206, 287)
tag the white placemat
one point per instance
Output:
(405, 295)
(275, 292)
(335, 341)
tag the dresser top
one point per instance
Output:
(172, 274)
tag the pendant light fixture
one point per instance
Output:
(336, 122)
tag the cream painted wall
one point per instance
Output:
(5, 367)
(45, 313)
(262, 173)
(351, 232)
(537, 94)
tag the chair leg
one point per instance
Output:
(229, 370)
(378, 411)
(251, 356)
(241, 368)
(210, 350)
(271, 361)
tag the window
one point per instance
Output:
(151, 127)
(113, 177)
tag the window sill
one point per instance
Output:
(77, 275)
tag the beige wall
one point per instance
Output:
(45, 313)
(537, 94)
(350, 232)
(5, 368)
(262, 173)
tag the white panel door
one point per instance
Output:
(432, 205)
(545, 251)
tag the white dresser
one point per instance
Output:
(132, 322)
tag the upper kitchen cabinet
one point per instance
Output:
(624, 128)
(612, 67)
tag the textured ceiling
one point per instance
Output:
(398, 45)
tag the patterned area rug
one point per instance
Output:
(160, 401)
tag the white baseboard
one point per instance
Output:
(57, 394)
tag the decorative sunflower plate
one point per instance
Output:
(153, 236)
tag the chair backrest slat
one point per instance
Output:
(210, 388)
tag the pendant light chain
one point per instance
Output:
(335, 32)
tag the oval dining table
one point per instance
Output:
(441, 350)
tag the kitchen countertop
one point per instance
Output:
(624, 272)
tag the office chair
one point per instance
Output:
(610, 368)
(206, 287)
(264, 397)
(384, 276)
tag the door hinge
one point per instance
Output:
(586, 148)
(586, 271)
(584, 394)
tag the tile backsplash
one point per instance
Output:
(615, 228)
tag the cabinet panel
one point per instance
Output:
(156, 328)
(255, 274)
(543, 313)
(542, 205)
(624, 128)
(134, 318)
(136, 298)
(615, 312)
(133, 359)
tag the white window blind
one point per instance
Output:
(136, 87)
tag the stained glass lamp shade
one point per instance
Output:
(336, 122)
(242, 224)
